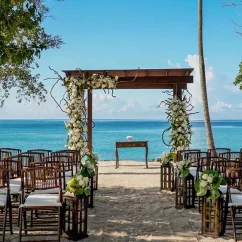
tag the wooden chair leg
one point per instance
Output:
(225, 213)
(25, 221)
(20, 224)
(233, 212)
(59, 223)
(5, 221)
(10, 217)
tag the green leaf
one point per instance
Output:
(70, 189)
(223, 182)
(216, 182)
(213, 194)
(185, 173)
(78, 191)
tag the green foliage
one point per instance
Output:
(183, 168)
(166, 158)
(22, 38)
(78, 184)
(238, 79)
(208, 184)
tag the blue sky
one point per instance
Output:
(127, 34)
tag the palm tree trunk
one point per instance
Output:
(208, 128)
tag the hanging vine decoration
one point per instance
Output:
(177, 111)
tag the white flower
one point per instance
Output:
(86, 179)
(81, 183)
(79, 177)
(95, 156)
(203, 183)
(210, 179)
(205, 176)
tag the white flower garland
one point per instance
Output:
(180, 125)
(77, 109)
(179, 120)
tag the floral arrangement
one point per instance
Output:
(178, 117)
(76, 107)
(88, 167)
(166, 158)
(180, 125)
(78, 184)
(208, 184)
(129, 138)
(182, 168)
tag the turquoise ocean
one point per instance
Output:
(51, 134)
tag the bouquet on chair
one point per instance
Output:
(88, 166)
(166, 158)
(208, 184)
(182, 168)
(78, 184)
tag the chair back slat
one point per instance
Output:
(4, 178)
(223, 166)
(43, 151)
(25, 159)
(4, 154)
(218, 151)
(13, 151)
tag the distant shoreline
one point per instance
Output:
(192, 120)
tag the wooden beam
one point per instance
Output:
(157, 79)
(89, 120)
(133, 72)
(150, 86)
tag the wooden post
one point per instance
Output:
(89, 120)
(177, 90)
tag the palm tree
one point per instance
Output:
(208, 128)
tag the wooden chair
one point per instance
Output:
(38, 156)
(233, 197)
(5, 201)
(49, 205)
(218, 151)
(45, 152)
(13, 151)
(4, 154)
(75, 157)
(24, 158)
(232, 156)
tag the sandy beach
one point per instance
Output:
(129, 207)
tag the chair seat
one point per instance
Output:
(3, 200)
(15, 186)
(236, 200)
(42, 200)
(223, 189)
(47, 191)
(68, 174)
(193, 171)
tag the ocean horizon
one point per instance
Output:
(51, 134)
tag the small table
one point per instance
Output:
(132, 144)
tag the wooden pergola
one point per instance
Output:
(173, 79)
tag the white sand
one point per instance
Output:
(129, 207)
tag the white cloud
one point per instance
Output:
(220, 106)
(177, 65)
(195, 89)
(232, 88)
